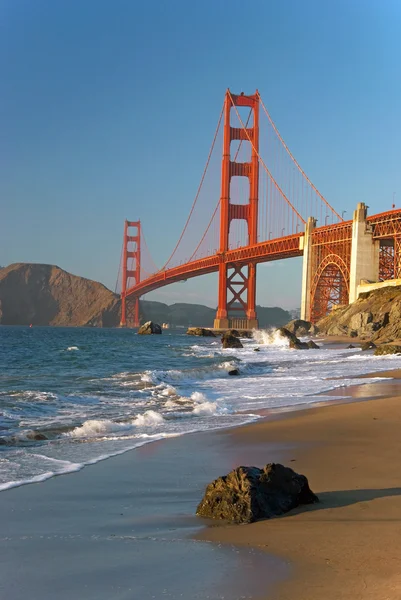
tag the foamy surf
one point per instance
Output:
(128, 392)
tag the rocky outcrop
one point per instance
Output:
(368, 346)
(201, 331)
(149, 328)
(47, 295)
(387, 349)
(249, 494)
(294, 342)
(301, 327)
(376, 315)
(230, 341)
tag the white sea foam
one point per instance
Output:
(124, 410)
(149, 419)
(70, 348)
(270, 337)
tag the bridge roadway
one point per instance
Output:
(285, 247)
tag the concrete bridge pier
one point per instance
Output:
(364, 252)
(307, 269)
(360, 258)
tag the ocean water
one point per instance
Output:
(73, 397)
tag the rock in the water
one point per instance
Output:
(301, 327)
(350, 346)
(148, 328)
(230, 341)
(256, 349)
(286, 333)
(201, 331)
(368, 346)
(248, 494)
(389, 349)
(293, 341)
(233, 372)
(311, 344)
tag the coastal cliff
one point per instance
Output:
(47, 295)
(375, 315)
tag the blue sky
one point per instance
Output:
(108, 108)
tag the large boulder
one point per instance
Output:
(148, 328)
(301, 327)
(248, 494)
(230, 341)
(293, 341)
(201, 331)
(389, 349)
(368, 346)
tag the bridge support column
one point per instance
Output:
(131, 253)
(307, 270)
(364, 252)
(240, 282)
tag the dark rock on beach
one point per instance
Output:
(201, 331)
(230, 341)
(368, 346)
(248, 494)
(149, 328)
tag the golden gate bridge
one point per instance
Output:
(265, 209)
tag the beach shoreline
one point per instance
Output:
(348, 545)
(83, 514)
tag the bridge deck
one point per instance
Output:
(270, 250)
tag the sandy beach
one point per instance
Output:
(126, 528)
(349, 545)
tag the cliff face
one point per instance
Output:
(47, 295)
(375, 315)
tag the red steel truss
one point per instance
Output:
(331, 261)
(387, 228)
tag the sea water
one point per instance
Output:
(71, 397)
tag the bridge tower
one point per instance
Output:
(131, 269)
(239, 282)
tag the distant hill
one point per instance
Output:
(47, 295)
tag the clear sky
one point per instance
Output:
(108, 108)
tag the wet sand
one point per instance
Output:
(123, 529)
(347, 547)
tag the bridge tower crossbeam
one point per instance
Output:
(239, 282)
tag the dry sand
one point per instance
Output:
(349, 545)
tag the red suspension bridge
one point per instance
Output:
(267, 210)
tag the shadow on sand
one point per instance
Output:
(342, 498)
